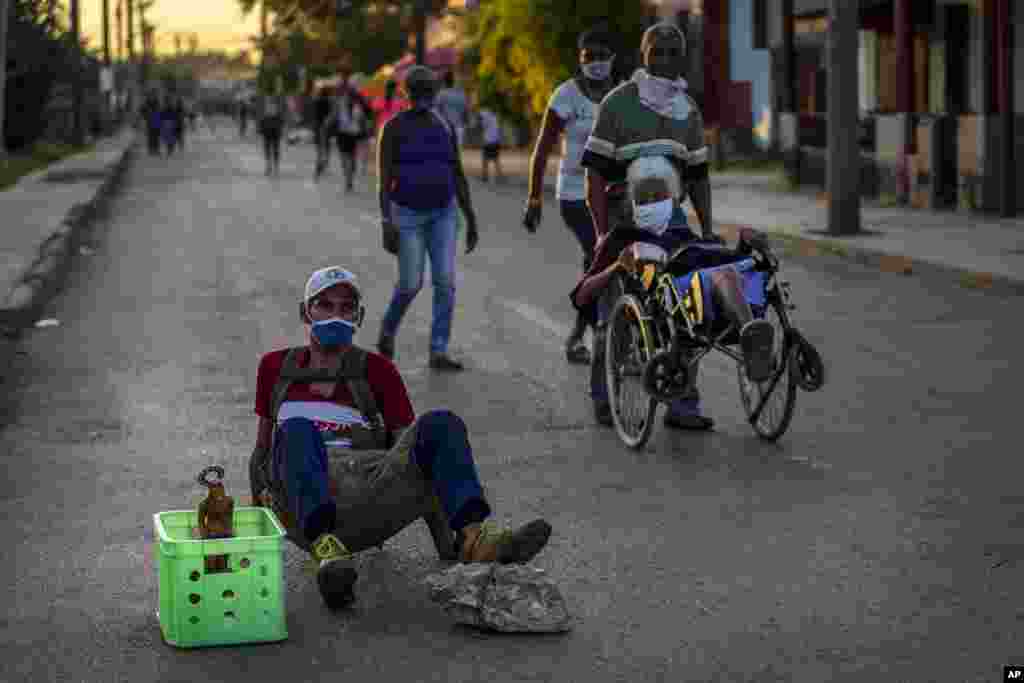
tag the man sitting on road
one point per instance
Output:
(345, 463)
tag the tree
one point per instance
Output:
(521, 49)
(39, 57)
(372, 33)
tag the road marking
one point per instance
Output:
(537, 316)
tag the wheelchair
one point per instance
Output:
(659, 328)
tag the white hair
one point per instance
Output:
(654, 168)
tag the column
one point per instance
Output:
(789, 117)
(1003, 90)
(905, 92)
(843, 161)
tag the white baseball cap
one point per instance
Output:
(325, 278)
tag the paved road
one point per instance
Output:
(880, 540)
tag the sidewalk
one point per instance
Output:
(974, 251)
(44, 216)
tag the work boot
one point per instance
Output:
(335, 576)
(482, 542)
(576, 351)
(603, 414)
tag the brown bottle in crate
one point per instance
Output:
(216, 516)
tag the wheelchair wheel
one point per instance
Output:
(625, 358)
(779, 392)
(808, 368)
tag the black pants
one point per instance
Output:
(153, 140)
(577, 218)
(347, 149)
(271, 132)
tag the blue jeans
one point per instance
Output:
(680, 407)
(421, 233)
(441, 451)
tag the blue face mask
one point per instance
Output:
(333, 332)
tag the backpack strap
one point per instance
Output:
(353, 372)
(289, 368)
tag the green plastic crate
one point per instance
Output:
(243, 605)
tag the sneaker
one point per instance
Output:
(576, 353)
(603, 414)
(485, 543)
(335, 575)
(757, 339)
(693, 423)
(386, 346)
(442, 361)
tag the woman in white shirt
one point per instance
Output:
(572, 110)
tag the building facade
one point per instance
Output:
(729, 70)
(940, 116)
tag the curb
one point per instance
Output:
(46, 275)
(888, 263)
(808, 247)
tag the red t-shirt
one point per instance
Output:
(333, 414)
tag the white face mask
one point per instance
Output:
(644, 251)
(653, 217)
(598, 71)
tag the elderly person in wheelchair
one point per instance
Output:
(659, 230)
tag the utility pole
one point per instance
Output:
(107, 80)
(77, 87)
(843, 152)
(1004, 49)
(790, 118)
(3, 77)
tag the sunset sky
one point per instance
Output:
(219, 23)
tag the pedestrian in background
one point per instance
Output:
(384, 108)
(322, 131)
(271, 115)
(243, 117)
(169, 126)
(453, 105)
(361, 158)
(180, 117)
(572, 111)
(492, 139)
(352, 113)
(420, 181)
(151, 115)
